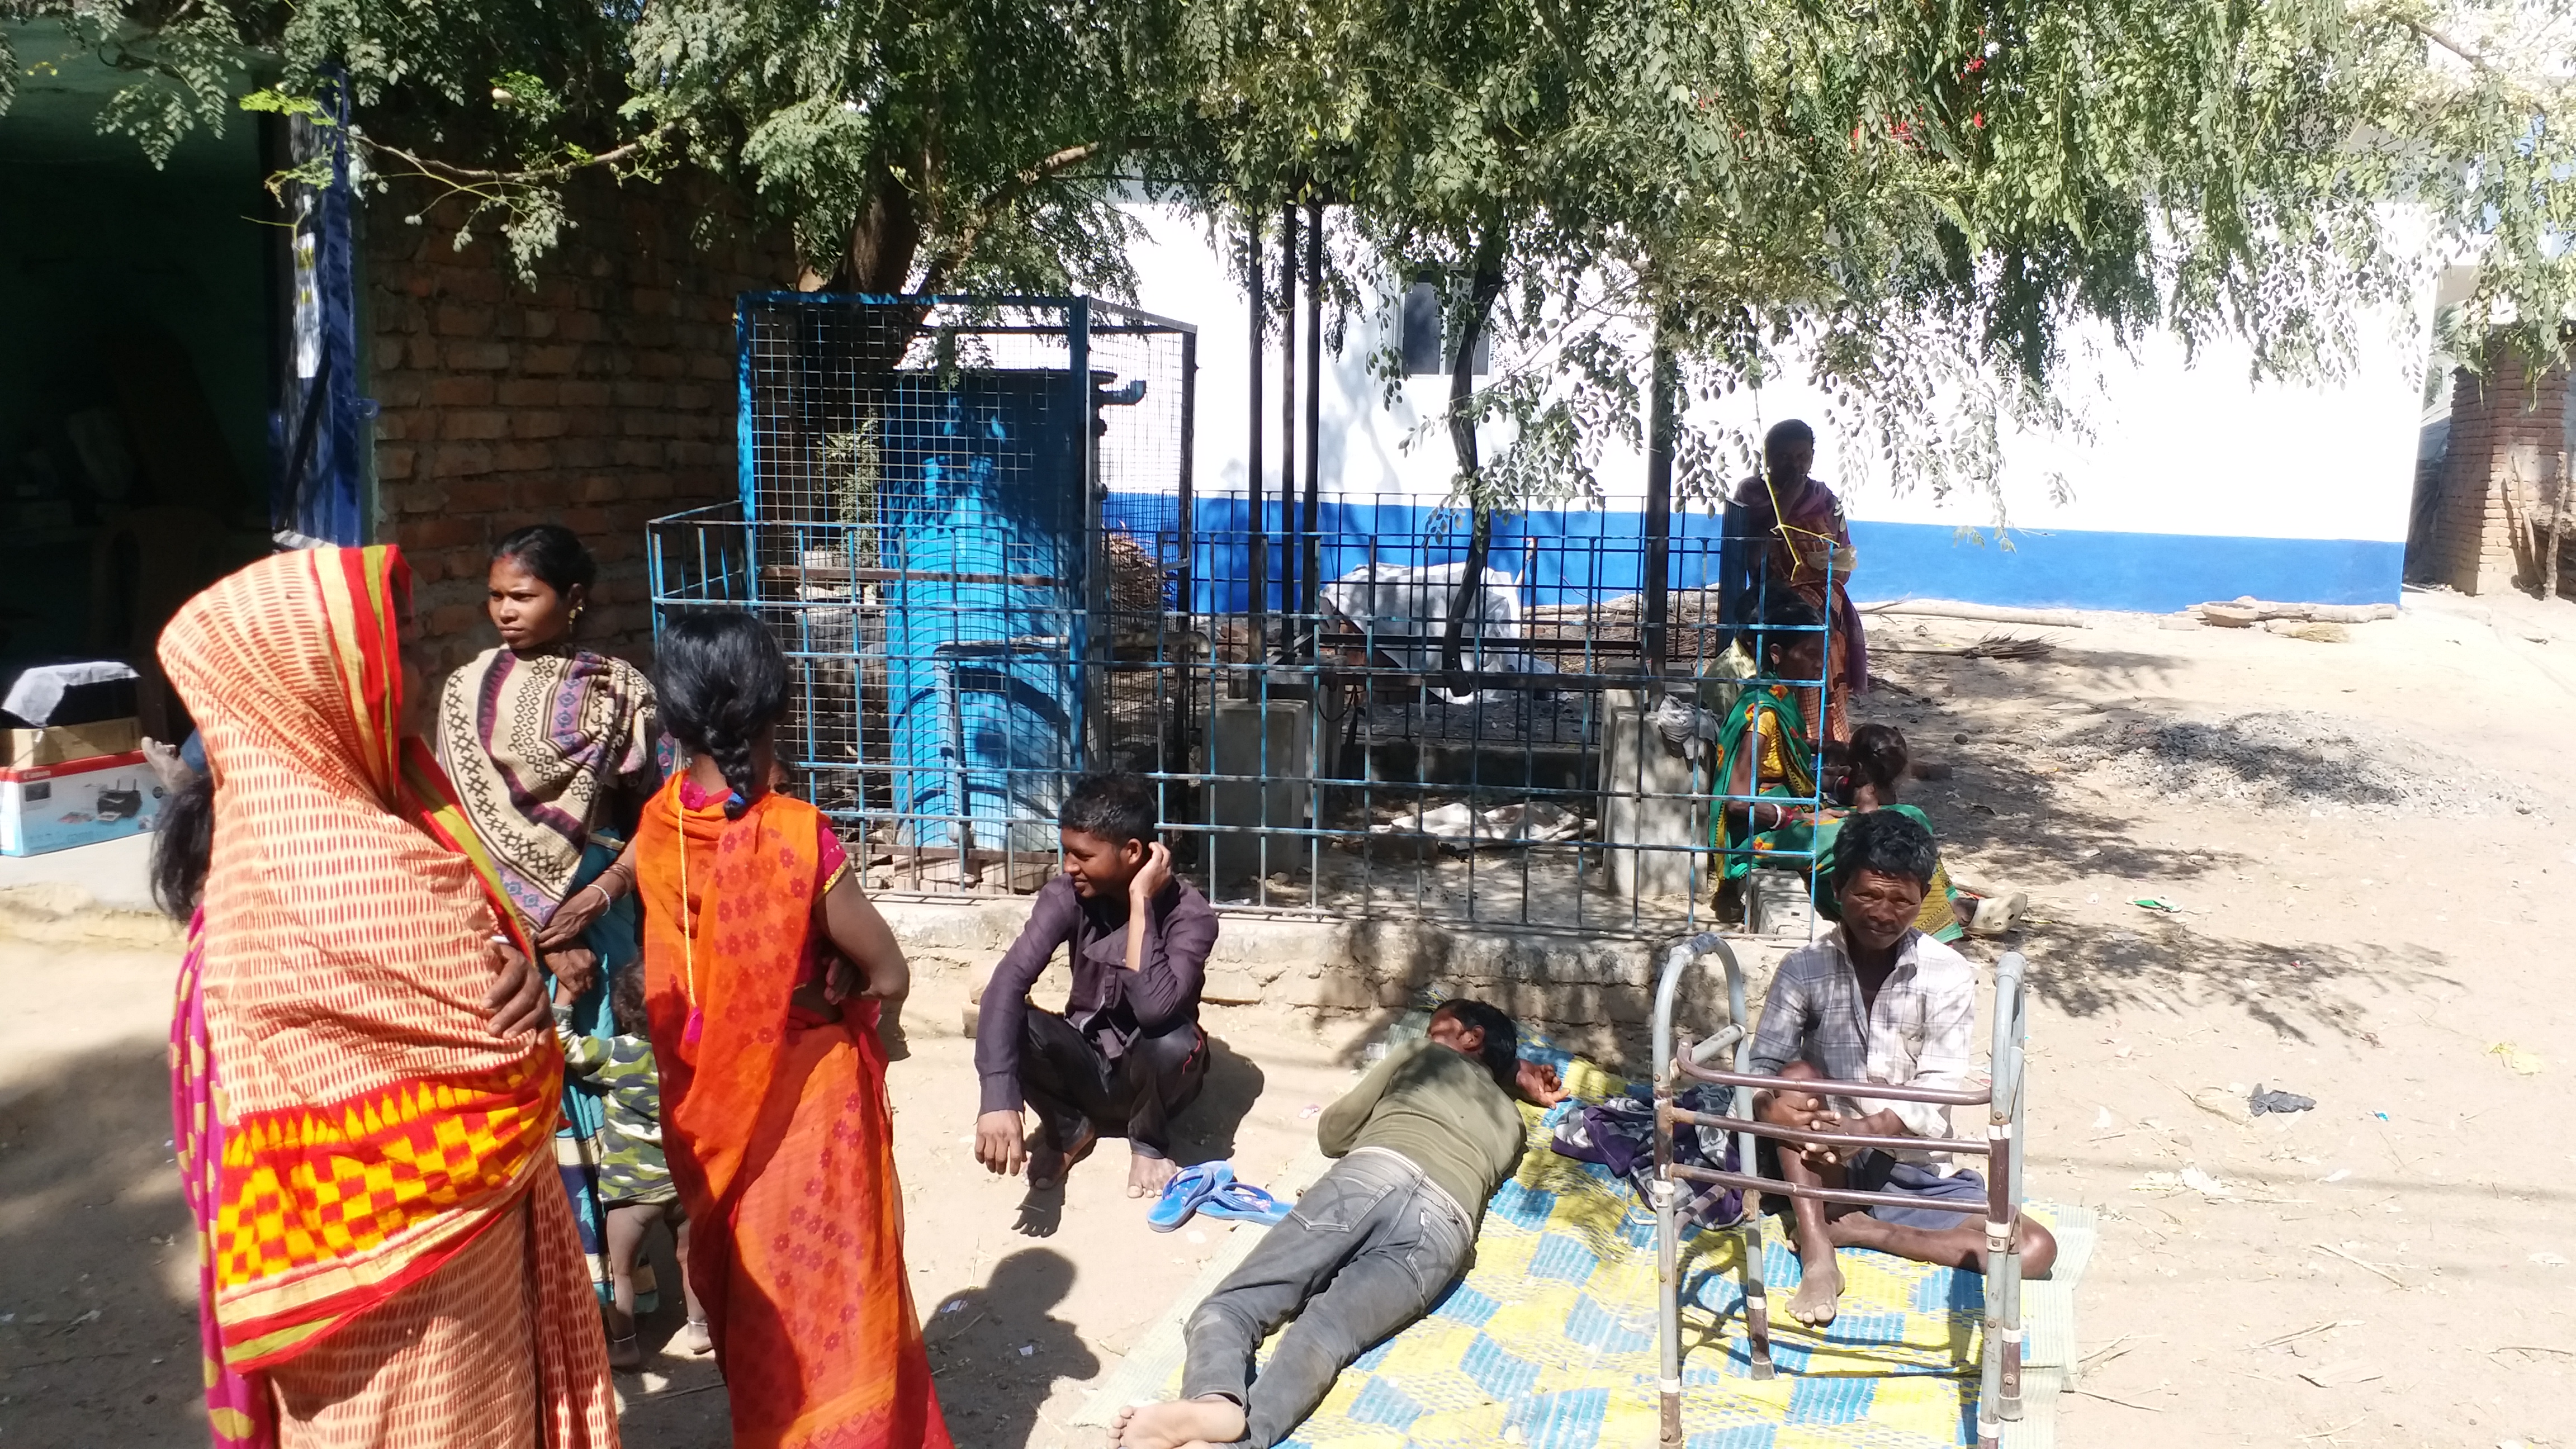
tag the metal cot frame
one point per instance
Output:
(1999, 1393)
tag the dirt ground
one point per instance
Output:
(2390, 1268)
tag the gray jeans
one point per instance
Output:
(1369, 1249)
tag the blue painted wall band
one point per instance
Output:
(1581, 554)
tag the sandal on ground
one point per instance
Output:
(1189, 1191)
(694, 1338)
(1995, 914)
(1242, 1202)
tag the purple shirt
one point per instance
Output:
(1110, 1005)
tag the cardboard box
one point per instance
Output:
(55, 807)
(62, 744)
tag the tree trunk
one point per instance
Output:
(1486, 284)
(884, 239)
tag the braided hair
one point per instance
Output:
(721, 680)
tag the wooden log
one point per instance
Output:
(1986, 613)
(2315, 631)
(2246, 612)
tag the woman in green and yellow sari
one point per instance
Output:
(1786, 798)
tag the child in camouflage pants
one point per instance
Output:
(635, 1188)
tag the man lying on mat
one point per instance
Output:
(1876, 1000)
(1424, 1140)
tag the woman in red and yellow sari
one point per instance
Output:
(368, 1146)
(771, 1049)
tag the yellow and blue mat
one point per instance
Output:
(1549, 1340)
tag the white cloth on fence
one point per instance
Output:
(1410, 606)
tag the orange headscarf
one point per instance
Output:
(373, 1124)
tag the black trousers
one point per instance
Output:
(1071, 1084)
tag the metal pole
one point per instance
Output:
(1254, 485)
(1288, 595)
(1667, 1191)
(1094, 636)
(1306, 605)
(2008, 1107)
(1659, 505)
(1757, 1302)
(1999, 1378)
(1183, 701)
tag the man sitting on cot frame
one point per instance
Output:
(1876, 1000)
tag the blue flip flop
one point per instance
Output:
(1189, 1190)
(1242, 1202)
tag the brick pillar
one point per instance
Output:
(599, 396)
(2498, 474)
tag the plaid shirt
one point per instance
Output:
(1917, 1033)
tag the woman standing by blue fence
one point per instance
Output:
(553, 749)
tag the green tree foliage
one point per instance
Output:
(1933, 207)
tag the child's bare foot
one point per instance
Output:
(1049, 1163)
(1820, 1290)
(1181, 1422)
(1148, 1176)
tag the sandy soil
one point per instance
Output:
(2387, 1269)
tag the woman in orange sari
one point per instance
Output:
(368, 1146)
(771, 1047)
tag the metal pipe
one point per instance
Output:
(1852, 1196)
(1659, 503)
(1668, 1305)
(2004, 1132)
(1822, 1088)
(1288, 595)
(1726, 1036)
(1668, 1287)
(1313, 520)
(1668, 984)
(1778, 1133)
(1253, 486)
(1757, 1301)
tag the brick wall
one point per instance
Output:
(598, 397)
(2499, 476)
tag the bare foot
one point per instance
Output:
(1048, 1164)
(1179, 1423)
(1148, 1176)
(1820, 1289)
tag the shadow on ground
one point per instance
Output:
(2002, 806)
(997, 1352)
(100, 1346)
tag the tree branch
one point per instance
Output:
(471, 176)
(955, 253)
(2476, 58)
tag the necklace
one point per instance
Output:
(688, 920)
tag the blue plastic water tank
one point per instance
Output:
(981, 506)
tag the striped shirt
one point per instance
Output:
(1918, 1033)
(620, 1070)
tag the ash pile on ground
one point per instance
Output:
(2295, 760)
